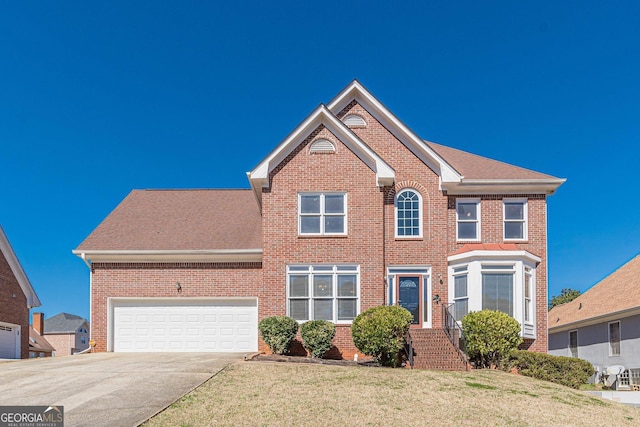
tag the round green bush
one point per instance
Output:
(490, 336)
(379, 332)
(317, 336)
(278, 332)
(568, 371)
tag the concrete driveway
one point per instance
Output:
(108, 389)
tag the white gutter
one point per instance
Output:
(188, 255)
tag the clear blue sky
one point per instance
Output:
(99, 99)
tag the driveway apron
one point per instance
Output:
(108, 389)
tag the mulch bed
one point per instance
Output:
(302, 359)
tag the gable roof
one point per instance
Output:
(63, 323)
(259, 176)
(18, 272)
(198, 225)
(615, 296)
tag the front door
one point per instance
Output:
(408, 291)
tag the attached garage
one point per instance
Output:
(184, 325)
(9, 341)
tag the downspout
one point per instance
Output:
(90, 265)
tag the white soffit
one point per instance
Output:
(259, 177)
(429, 157)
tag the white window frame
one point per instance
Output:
(460, 271)
(322, 213)
(324, 269)
(529, 288)
(420, 210)
(477, 221)
(502, 269)
(524, 220)
(571, 352)
(611, 353)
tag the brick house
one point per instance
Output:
(350, 211)
(17, 296)
(67, 333)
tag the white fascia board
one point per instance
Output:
(383, 115)
(617, 315)
(212, 255)
(18, 271)
(503, 186)
(492, 255)
(260, 175)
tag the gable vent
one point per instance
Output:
(354, 120)
(322, 146)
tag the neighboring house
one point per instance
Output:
(38, 344)
(351, 210)
(67, 333)
(16, 298)
(603, 324)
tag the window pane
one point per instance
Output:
(614, 338)
(298, 286)
(346, 309)
(460, 285)
(347, 285)
(322, 286)
(310, 224)
(299, 309)
(497, 292)
(467, 230)
(461, 308)
(334, 203)
(514, 230)
(467, 211)
(573, 343)
(310, 204)
(323, 309)
(514, 211)
(334, 224)
(527, 310)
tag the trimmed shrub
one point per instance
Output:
(278, 332)
(317, 336)
(379, 332)
(569, 371)
(490, 336)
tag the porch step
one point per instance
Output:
(433, 350)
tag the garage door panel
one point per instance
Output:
(156, 325)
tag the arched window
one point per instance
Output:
(408, 214)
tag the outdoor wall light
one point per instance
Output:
(178, 287)
(436, 299)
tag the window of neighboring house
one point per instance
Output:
(83, 340)
(528, 291)
(573, 343)
(322, 213)
(614, 339)
(497, 288)
(408, 214)
(323, 292)
(468, 219)
(515, 219)
(460, 293)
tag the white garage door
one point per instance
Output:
(8, 341)
(185, 326)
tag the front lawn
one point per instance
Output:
(290, 394)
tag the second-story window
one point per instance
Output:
(515, 219)
(408, 214)
(468, 219)
(322, 213)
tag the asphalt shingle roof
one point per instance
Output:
(63, 323)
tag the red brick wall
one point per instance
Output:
(159, 280)
(14, 310)
(63, 343)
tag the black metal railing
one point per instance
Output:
(408, 349)
(455, 333)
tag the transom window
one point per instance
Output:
(515, 219)
(468, 219)
(614, 339)
(408, 214)
(322, 213)
(323, 292)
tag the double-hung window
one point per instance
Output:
(408, 214)
(322, 213)
(468, 219)
(497, 288)
(573, 343)
(323, 292)
(460, 292)
(528, 291)
(614, 339)
(515, 219)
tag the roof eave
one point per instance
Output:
(503, 186)
(593, 320)
(204, 255)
